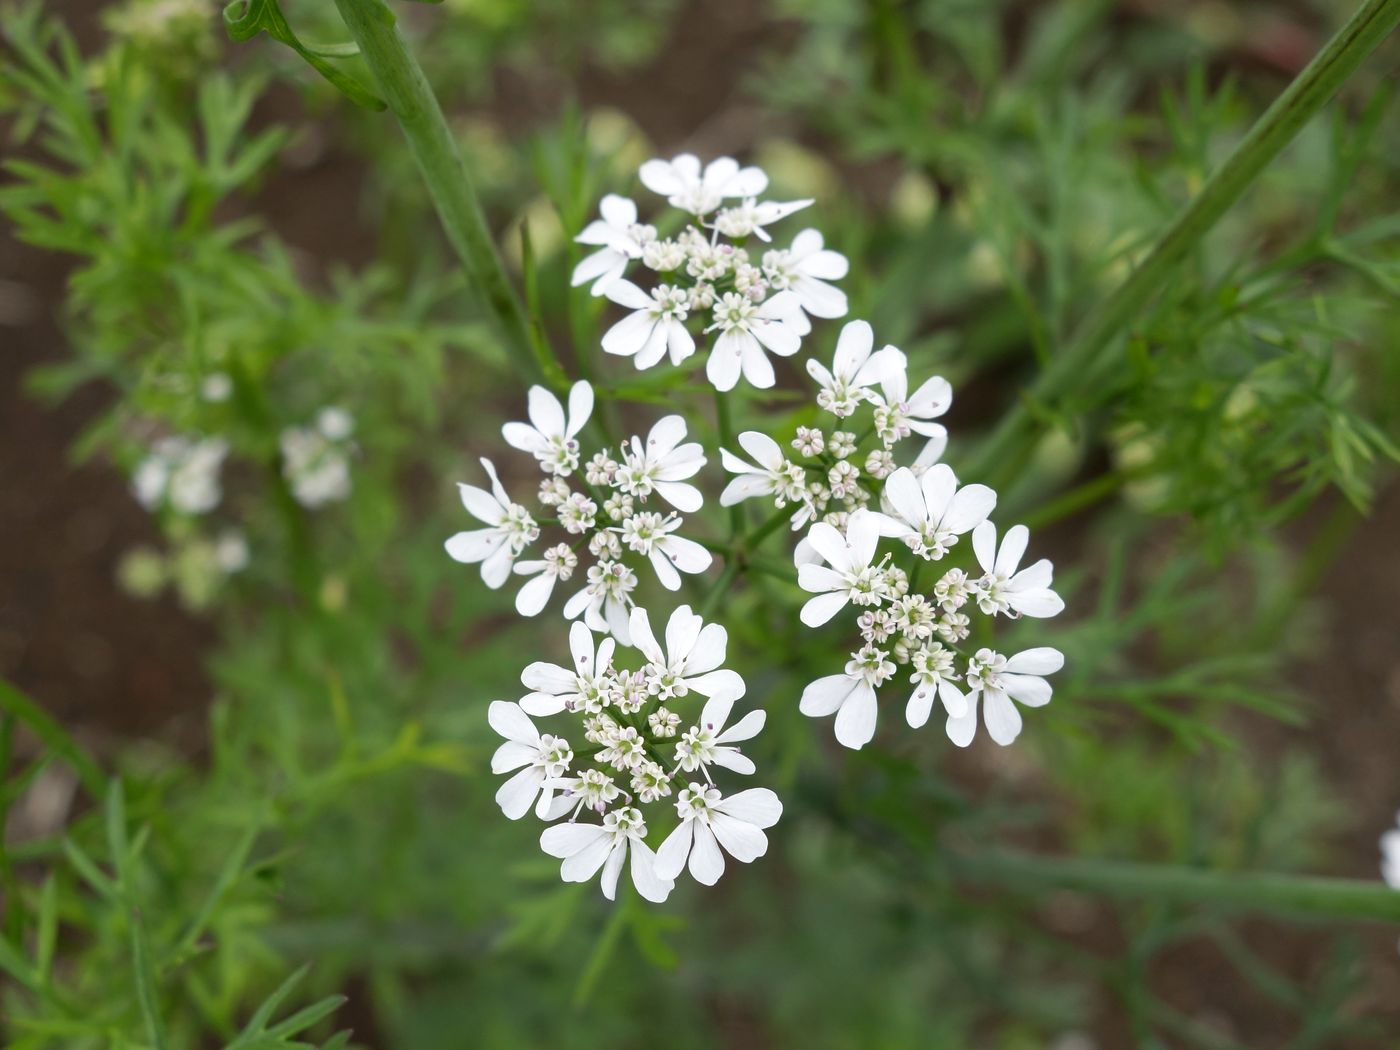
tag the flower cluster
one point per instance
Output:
(920, 633)
(603, 506)
(316, 459)
(825, 475)
(181, 473)
(640, 744)
(706, 278)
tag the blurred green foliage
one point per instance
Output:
(993, 170)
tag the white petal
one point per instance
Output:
(819, 579)
(1041, 660)
(822, 608)
(743, 841)
(932, 399)
(611, 870)
(746, 728)
(686, 555)
(582, 649)
(969, 508)
(955, 702)
(642, 636)
(512, 755)
(524, 437)
(724, 365)
(546, 413)
(920, 704)
(723, 683)
(685, 498)
(863, 535)
(731, 758)
(765, 451)
(649, 884)
(680, 344)
(707, 651)
(617, 210)
(548, 678)
(831, 545)
(1001, 715)
(1028, 689)
(511, 722)
(706, 861)
(568, 840)
(1036, 604)
(853, 347)
(962, 729)
(757, 369)
(819, 298)
(665, 571)
(826, 695)
(984, 545)
(855, 722)
(757, 806)
(906, 496)
(474, 546)
(1013, 546)
(481, 504)
(531, 599)
(627, 294)
(670, 858)
(495, 570)
(745, 486)
(630, 335)
(580, 406)
(517, 795)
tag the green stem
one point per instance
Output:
(1009, 444)
(411, 99)
(1297, 895)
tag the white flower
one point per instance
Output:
(231, 551)
(849, 575)
(855, 370)
(750, 217)
(662, 464)
(606, 600)
(769, 475)
(850, 696)
(710, 743)
(929, 513)
(510, 529)
(709, 821)
(747, 329)
(316, 466)
(558, 563)
(1003, 589)
(682, 183)
(585, 848)
(216, 387)
(550, 436)
(654, 535)
(655, 327)
(997, 681)
(183, 472)
(540, 759)
(554, 688)
(933, 674)
(621, 239)
(1390, 855)
(693, 652)
(898, 415)
(335, 423)
(804, 269)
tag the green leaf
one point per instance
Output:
(53, 736)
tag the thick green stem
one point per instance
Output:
(1297, 895)
(411, 99)
(1007, 447)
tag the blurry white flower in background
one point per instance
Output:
(316, 460)
(182, 472)
(1390, 855)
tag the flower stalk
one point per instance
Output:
(1297, 895)
(1004, 452)
(410, 98)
